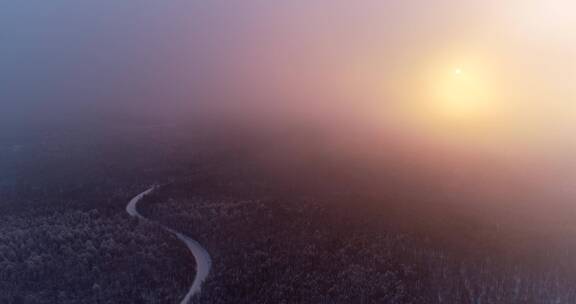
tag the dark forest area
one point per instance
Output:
(312, 239)
(65, 236)
(310, 232)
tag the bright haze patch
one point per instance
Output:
(459, 94)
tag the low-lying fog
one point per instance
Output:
(384, 87)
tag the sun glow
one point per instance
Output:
(461, 93)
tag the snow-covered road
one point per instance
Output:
(202, 257)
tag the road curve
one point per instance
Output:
(202, 257)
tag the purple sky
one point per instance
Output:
(174, 57)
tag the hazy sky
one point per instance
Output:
(68, 55)
(513, 57)
(493, 77)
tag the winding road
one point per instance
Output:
(202, 257)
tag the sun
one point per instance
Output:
(454, 91)
(460, 93)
